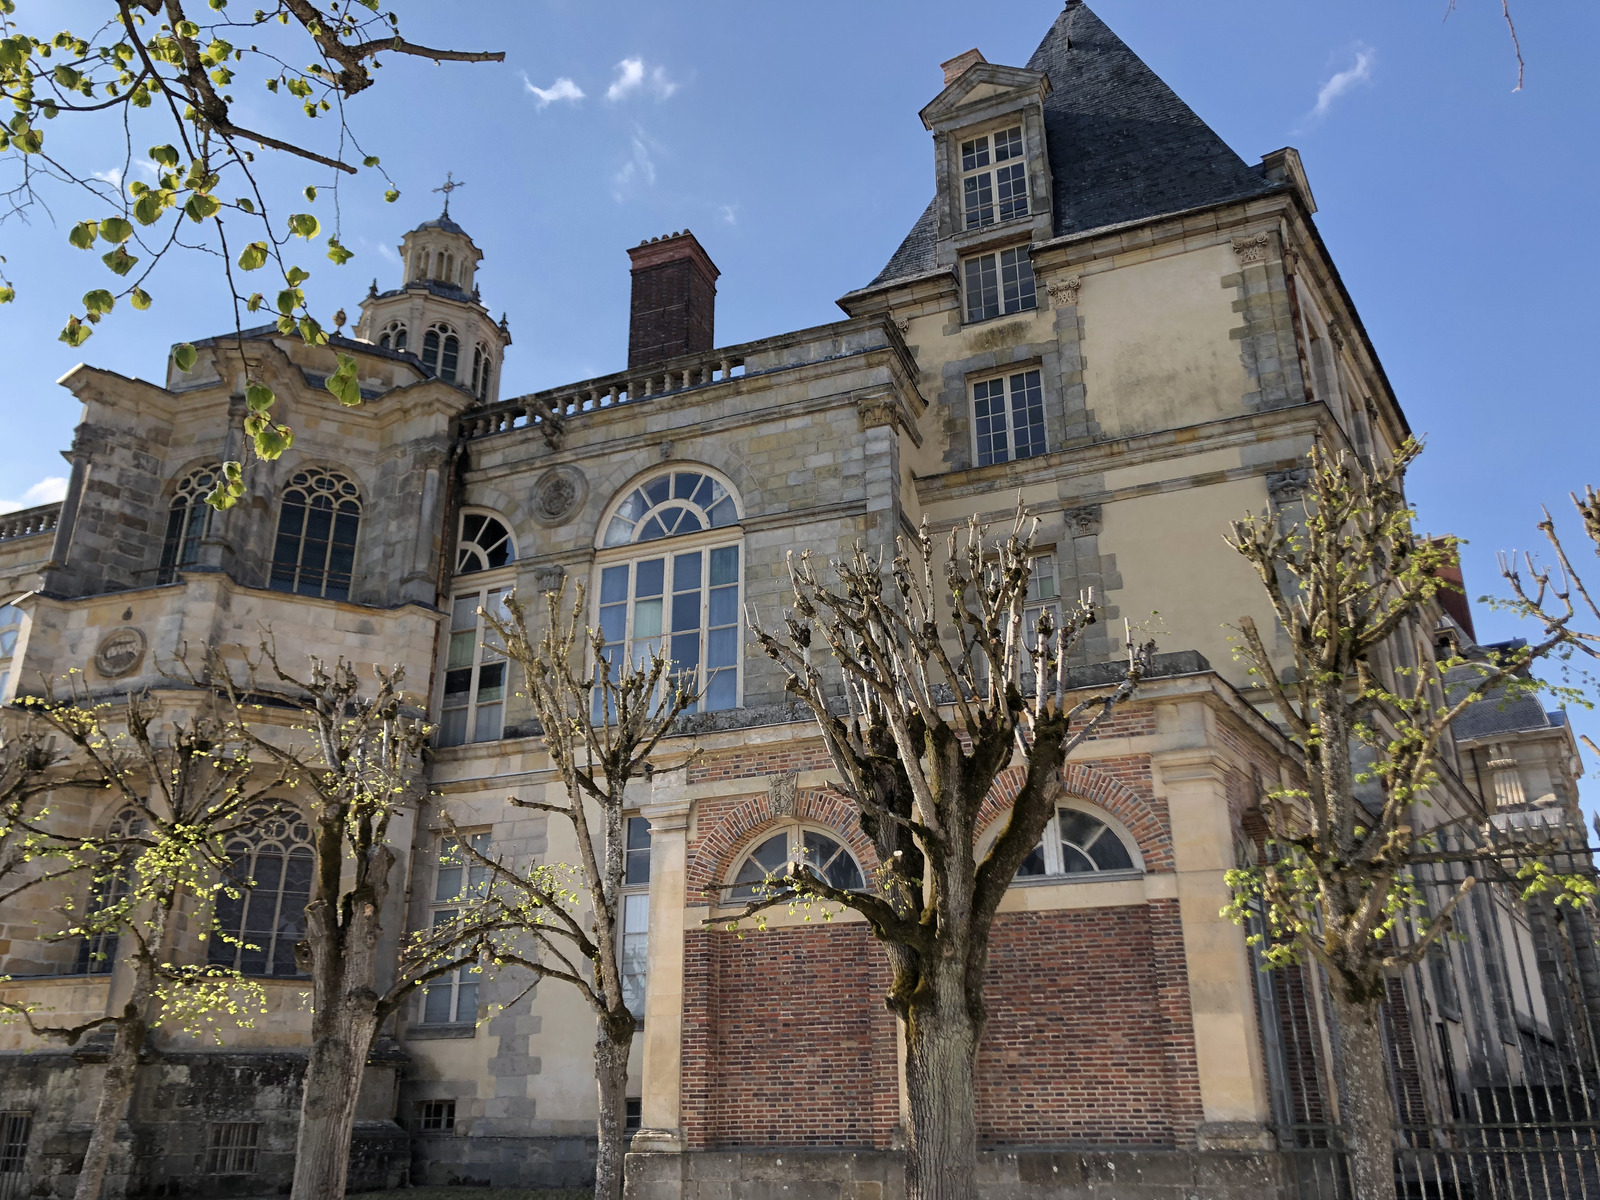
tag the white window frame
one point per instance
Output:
(633, 916)
(1025, 285)
(1054, 868)
(13, 623)
(1007, 381)
(458, 990)
(474, 545)
(795, 831)
(978, 162)
(482, 660)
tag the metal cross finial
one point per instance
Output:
(451, 183)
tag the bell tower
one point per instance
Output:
(436, 315)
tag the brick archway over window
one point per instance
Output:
(1143, 817)
(736, 831)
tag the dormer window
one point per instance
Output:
(994, 178)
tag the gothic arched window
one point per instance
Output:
(685, 596)
(485, 543)
(393, 336)
(316, 548)
(441, 352)
(821, 852)
(97, 952)
(261, 909)
(1078, 842)
(188, 520)
(480, 372)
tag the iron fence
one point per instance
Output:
(16, 1129)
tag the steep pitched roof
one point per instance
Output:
(1123, 147)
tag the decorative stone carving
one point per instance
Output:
(903, 325)
(666, 451)
(120, 652)
(558, 494)
(1285, 487)
(1083, 522)
(1252, 249)
(548, 579)
(1064, 293)
(781, 793)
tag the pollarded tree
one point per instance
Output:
(184, 787)
(600, 729)
(930, 716)
(1349, 582)
(355, 754)
(160, 75)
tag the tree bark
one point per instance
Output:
(115, 1093)
(334, 1069)
(613, 1040)
(941, 1085)
(1368, 1108)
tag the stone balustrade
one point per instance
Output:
(29, 522)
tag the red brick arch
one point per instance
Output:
(1143, 817)
(721, 846)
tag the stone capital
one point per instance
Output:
(1200, 765)
(1064, 292)
(1252, 248)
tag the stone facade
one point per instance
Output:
(1179, 334)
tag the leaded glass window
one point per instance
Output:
(188, 521)
(315, 552)
(441, 352)
(994, 178)
(1008, 417)
(261, 909)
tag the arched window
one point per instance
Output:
(394, 336)
(188, 520)
(685, 597)
(1079, 842)
(261, 909)
(10, 631)
(97, 953)
(480, 372)
(441, 352)
(316, 548)
(485, 543)
(821, 852)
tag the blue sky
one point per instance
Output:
(1462, 216)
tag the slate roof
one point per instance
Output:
(1122, 145)
(444, 223)
(1495, 714)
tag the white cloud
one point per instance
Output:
(46, 491)
(638, 170)
(1357, 73)
(562, 89)
(113, 176)
(729, 214)
(633, 76)
(153, 168)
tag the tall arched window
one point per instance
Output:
(1079, 842)
(261, 909)
(10, 631)
(485, 543)
(97, 953)
(821, 852)
(480, 372)
(441, 352)
(316, 548)
(685, 597)
(393, 336)
(188, 520)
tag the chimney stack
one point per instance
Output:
(674, 299)
(957, 66)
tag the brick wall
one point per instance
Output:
(776, 759)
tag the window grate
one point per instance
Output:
(436, 1116)
(15, 1128)
(233, 1148)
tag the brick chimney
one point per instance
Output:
(957, 66)
(674, 299)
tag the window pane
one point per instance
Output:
(1027, 414)
(464, 613)
(1016, 276)
(1075, 861)
(613, 622)
(1008, 144)
(723, 649)
(491, 682)
(686, 572)
(1110, 854)
(1034, 863)
(649, 576)
(983, 288)
(637, 870)
(988, 409)
(766, 858)
(467, 1001)
(462, 646)
(486, 727)
(725, 565)
(613, 585)
(1079, 827)
(978, 192)
(646, 619)
(975, 154)
(1011, 189)
(436, 1004)
(723, 691)
(453, 727)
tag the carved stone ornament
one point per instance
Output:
(879, 410)
(1252, 249)
(781, 792)
(120, 652)
(1083, 522)
(548, 579)
(558, 494)
(1064, 293)
(1285, 487)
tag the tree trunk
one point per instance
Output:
(941, 1084)
(115, 1093)
(613, 1040)
(1368, 1109)
(328, 1106)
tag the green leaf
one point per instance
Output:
(311, 194)
(296, 276)
(7, 293)
(392, 195)
(119, 260)
(258, 397)
(255, 302)
(83, 234)
(370, 160)
(246, 204)
(183, 355)
(344, 384)
(99, 301)
(288, 298)
(139, 298)
(76, 333)
(115, 230)
(338, 253)
(187, 29)
(148, 208)
(304, 225)
(311, 332)
(167, 156)
(253, 257)
(271, 440)
(201, 206)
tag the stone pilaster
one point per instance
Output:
(661, 1089)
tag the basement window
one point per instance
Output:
(436, 1116)
(233, 1148)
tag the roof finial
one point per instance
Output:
(450, 184)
